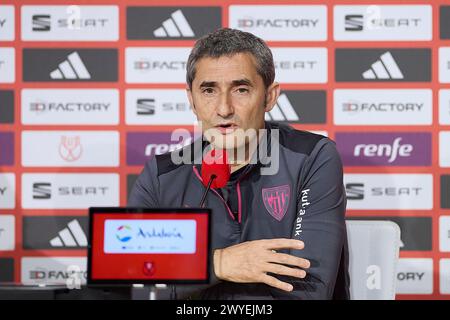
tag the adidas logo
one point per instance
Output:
(72, 68)
(72, 236)
(282, 111)
(384, 68)
(175, 26)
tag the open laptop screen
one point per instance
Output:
(134, 245)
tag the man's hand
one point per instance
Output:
(250, 261)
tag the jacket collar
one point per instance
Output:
(257, 161)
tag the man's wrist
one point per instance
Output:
(217, 260)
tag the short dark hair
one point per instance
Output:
(227, 42)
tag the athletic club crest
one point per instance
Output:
(276, 200)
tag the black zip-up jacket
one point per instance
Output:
(304, 200)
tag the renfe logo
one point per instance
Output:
(399, 149)
(142, 146)
(150, 236)
(372, 150)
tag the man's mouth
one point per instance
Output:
(226, 128)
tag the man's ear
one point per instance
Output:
(272, 94)
(191, 100)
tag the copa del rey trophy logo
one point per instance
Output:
(70, 148)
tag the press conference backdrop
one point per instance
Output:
(90, 92)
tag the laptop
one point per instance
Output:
(148, 246)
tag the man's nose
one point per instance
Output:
(225, 108)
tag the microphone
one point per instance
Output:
(215, 171)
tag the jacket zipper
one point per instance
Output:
(223, 200)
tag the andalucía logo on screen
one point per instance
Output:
(150, 236)
(124, 233)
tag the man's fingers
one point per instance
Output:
(290, 260)
(274, 282)
(282, 244)
(285, 271)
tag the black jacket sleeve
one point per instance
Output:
(145, 190)
(320, 224)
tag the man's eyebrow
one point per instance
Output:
(238, 82)
(242, 82)
(208, 84)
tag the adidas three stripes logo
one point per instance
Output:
(72, 236)
(176, 26)
(72, 68)
(282, 111)
(384, 68)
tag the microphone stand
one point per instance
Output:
(202, 202)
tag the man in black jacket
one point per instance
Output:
(278, 228)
